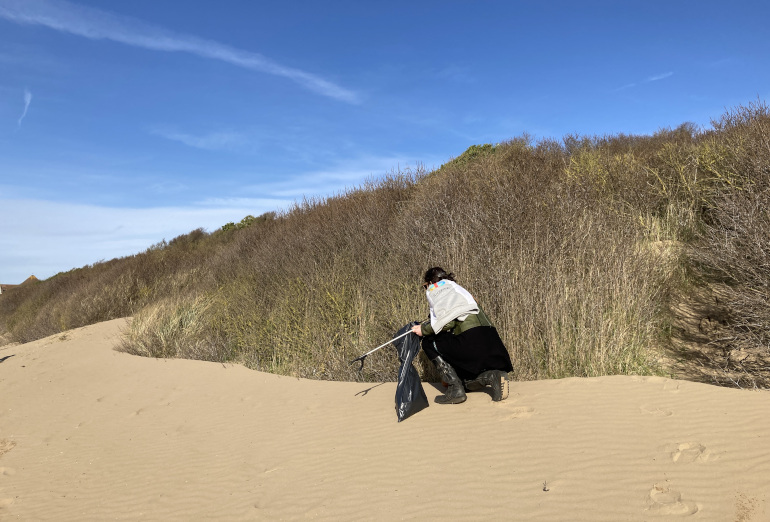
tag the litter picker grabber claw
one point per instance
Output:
(374, 350)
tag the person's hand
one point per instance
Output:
(417, 329)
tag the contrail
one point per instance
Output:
(659, 77)
(27, 100)
(96, 24)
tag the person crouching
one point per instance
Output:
(461, 341)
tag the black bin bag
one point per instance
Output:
(410, 397)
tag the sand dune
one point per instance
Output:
(87, 433)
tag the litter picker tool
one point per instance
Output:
(361, 358)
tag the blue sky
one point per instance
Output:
(125, 123)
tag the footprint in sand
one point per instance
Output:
(671, 386)
(664, 501)
(6, 446)
(655, 411)
(5, 502)
(136, 413)
(745, 507)
(690, 452)
(519, 412)
(7, 472)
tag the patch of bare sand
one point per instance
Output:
(88, 433)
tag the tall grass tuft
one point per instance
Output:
(172, 327)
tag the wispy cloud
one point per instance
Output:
(46, 237)
(96, 24)
(721, 62)
(626, 86)
(657, 77)
(211, 141)
(649, 79)
(27, 101)
(346, 174)
(456, 73)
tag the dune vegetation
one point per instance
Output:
(593, 256)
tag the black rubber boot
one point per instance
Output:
(496, 379)
(473, 385)
(455, 394)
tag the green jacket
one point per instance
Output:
(457, 327)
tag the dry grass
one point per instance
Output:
(574, 248)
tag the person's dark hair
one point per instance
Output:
(436, 274)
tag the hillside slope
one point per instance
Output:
(584, 252)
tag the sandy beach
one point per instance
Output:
(88, 433)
